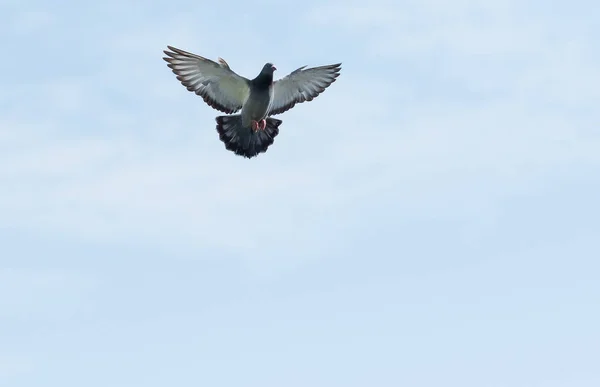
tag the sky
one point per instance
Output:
(430, 220)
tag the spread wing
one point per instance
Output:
(302, 85)
(219, 86)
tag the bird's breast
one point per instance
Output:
(257, 105)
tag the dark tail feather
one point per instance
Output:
(244, 141)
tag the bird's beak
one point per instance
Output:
(274, 68)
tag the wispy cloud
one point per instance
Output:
(12, 366)
(131, 150)
(41, 294)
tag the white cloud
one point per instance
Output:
(40, 293)
(13, 365)
(31, 22)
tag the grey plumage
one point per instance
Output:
(256, 100)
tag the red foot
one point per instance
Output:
(259, 125)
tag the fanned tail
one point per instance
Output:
(244, 141)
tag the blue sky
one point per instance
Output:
(430, 220)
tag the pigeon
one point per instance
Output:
(253, 130)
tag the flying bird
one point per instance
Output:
(253, 130)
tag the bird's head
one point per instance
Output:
(265, 78)
(269, 68)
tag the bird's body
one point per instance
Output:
(259, 102)
(253, 130)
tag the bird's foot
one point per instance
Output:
(258, 125)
